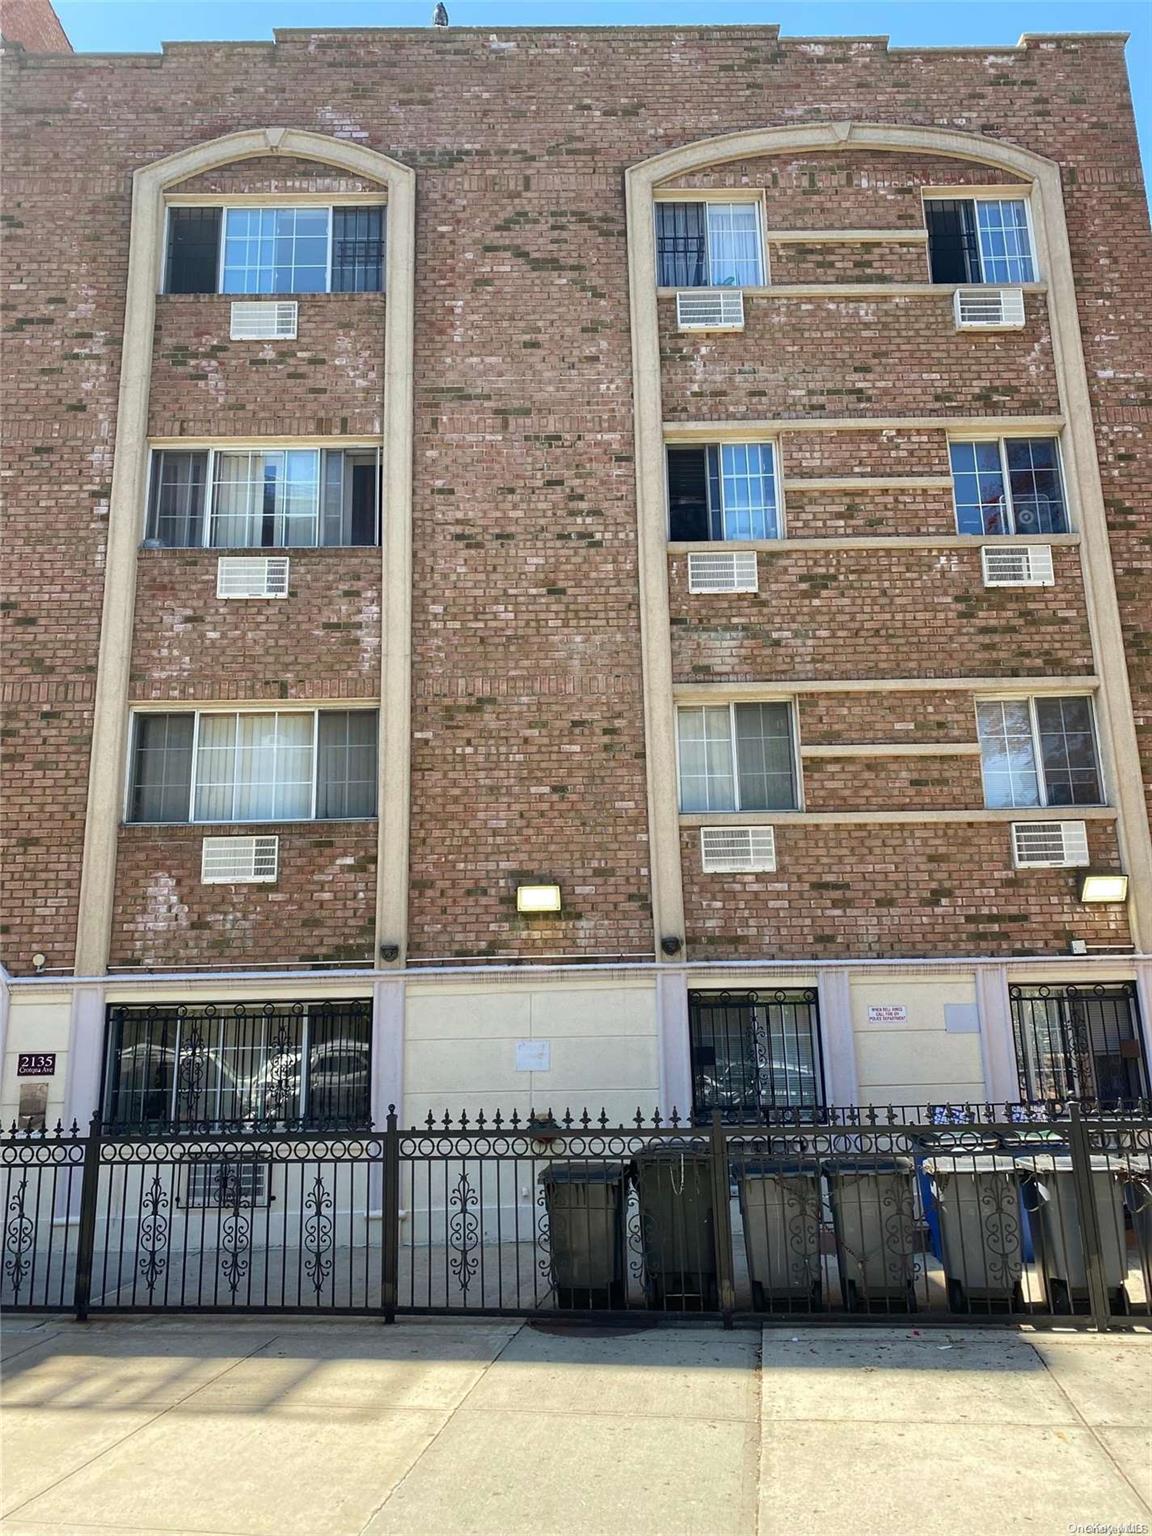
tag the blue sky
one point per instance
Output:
(134, 26)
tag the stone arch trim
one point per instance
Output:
(129, 476)
(1117, 728)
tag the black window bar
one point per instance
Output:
(755, 1055)
(1079, 1042)
(180, 1067)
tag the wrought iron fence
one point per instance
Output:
(937, 1213)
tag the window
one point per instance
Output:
(257, 250)
(261, 498)
(754, 1052)
(178, 1067)
(708, 245)
(736, 757)
(726, 491)
(979, 240)
(1008, 485)
(1039, 751)
(290, 765)
(1078, 1042)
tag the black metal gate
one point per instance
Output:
(994, 1213)
(1078, 1042)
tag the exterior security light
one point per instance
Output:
(1103, 887)
(537, 898)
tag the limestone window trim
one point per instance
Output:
(696, 693)
(109, 756)
(878, 541)
(696, 819)
(780, 426)
(867, 291)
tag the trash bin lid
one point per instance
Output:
(577, 1172)
(972, 1139)
(775, 1168)
(665, 1151)
(941, 1167)
(1061, 1162)
(835, 1167)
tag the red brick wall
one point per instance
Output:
(832, 719)
(328, 381)
(884, 889)
(33, 24)
(899, 356)
(321, 641)
(320, 908)
(844, 262)
(825, 614)
(526, 625)
(892, 783)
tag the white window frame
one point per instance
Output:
(730, 705)
(722, 443)
(214, 449)
(707, 198)
(1002, 440)
(1010, 193)
(351, 707)
(263, 200)
(1041, 783)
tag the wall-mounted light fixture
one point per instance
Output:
(538, 898)
(1100, 885)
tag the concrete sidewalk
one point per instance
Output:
(437, 1428)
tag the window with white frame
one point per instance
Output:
(980, 240)
(709, 245)
(1009, 485)
(1039, 751)
(252, 249)
(722, 491)
(737, 757)
(248, 497)
(253, 765)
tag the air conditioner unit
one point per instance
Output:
(737, 850)
(239, 860)
(252, 576)
(239, 1181)
(1017, 565)
(728, 571)
(1049, 844)
(264, 320)
(710, 309)
(989, 309)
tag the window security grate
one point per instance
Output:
(736, 850)
(732, 571)
(264, 320)
(1018, 565)
(239, 860)
(239, 1181)
(1049, 844)
(989, 309)
(710, 309)
(252, 576)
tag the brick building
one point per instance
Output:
(699, 470)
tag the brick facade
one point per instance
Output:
(528, 750)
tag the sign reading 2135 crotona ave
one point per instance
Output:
(36, 1064)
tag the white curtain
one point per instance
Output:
(254, 767)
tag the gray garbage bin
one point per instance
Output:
(677, 1225)
(1138, 1203)
(874, 1218)
(780, 1201)
(1049, 1189)
(587, 1205)
(977, 1201)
